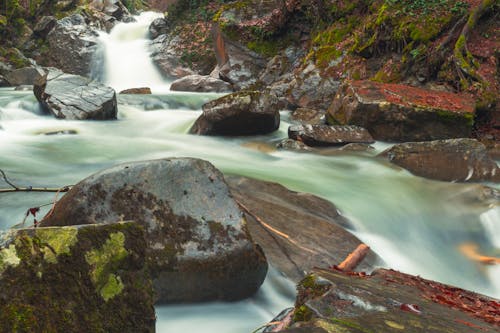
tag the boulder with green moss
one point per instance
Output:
(241, 113)
(394, 112)
(75, 279)
(198, 247)
(388, 301)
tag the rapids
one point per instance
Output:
(415, 225)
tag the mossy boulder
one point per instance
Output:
(314, 228)
(75, 97)
(460, 160)
(75, 279)
(388, 301)
(198, 247)
(241, 113)
(394, 112)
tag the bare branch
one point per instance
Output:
(7, 180)
(36, 189)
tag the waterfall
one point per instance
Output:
(126, 61)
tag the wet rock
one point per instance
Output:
(61, 132)
(449, 160)
(72, 45)
(24, 76)
(200, 83)
(137, 91)
(75, 279)
(241, 113)
(402, 113)
(44, 26)
(4, 82)
(289, 144)
(198, 248)
(158, 27)
(314, 227)
(324, 135)
(167, 57)
(308, 116)
(24, 87)
(357, 147)
(75, 97)
(388, 301)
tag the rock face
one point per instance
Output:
(388, 301)
(314, 226)
(75, 97)
(24, 76)
(448, 160)
(72, 45)
(395, 112)
(324, 135)
(200, 83)
(241, 113)
(198, 248)
(75, 279)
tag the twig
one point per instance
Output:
(36, 189)
(53, 204)
(7, 180)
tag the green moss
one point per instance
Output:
(350, 324)
(17, 318)
(449, 116)
(302, 313)
(104, 262)
(8, 257)
(58, 241)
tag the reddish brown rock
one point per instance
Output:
(449, 160)
(396, 112)
(137, 91)
(324, 135)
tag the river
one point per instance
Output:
(415, 225)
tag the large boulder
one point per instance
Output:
(168, 58)
(449, 160)
(298, 231)
(387, 301)
(24, 76)
(75, 97)
(198, 248)
(72, 45)
(158, 27)
(75, 279)
(44, 26)
(200, 83)
(324, 135)
(396, 112)
(241, 113)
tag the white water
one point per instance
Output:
(127, 63)
(416, 225)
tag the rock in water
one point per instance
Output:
(314, 227)
(198, 245)
(324, 135)
(241, 113)
(395, 112)
(72, 44)
(449, 160)
(75, 279)
(200, 83)
(75, 97)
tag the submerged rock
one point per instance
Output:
(75, 97)
(200, 83)
(289, 144)
(314, 227)
(324, 135)
(396, 112)
(241, 113)
(72, 45)
(449, 160)
(388, 301)
(198, 248)
(75, 279)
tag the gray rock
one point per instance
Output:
(200, 83)
(324, 135)
(460, 160)
(308, 116)
(198, 245)
(72, 45)
(241, 113)
(289, 144)
(24, 87)
(24, 76)
(44, 26)
(4, 82)
(158, 27)
(167, 57)
(75, 97)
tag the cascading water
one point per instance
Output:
(415, 225)
(127, 62)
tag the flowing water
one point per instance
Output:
(415, 225)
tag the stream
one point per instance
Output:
(415, 225)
